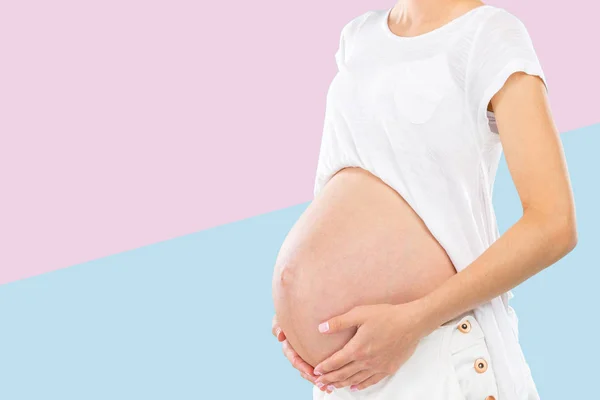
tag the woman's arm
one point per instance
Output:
(547, 230)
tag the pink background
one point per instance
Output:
(124, 123)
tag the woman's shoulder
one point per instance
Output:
(496, 20)
(358, 22)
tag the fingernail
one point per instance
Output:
(353, 388)
(277, 332)
(318, 372)
(330, 387)
(324, 327)
(320, 384)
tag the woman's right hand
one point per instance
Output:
(306, 370)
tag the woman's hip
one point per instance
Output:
(451, 363)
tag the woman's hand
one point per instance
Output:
(386, 337)
(306, 370)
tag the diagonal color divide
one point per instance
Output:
(126, 123)
(190, 318)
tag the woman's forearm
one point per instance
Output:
(535, 242)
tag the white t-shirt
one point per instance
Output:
(413, 111)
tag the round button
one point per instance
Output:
(464, 326)
(490, 398)
(480, 365)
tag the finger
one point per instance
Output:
(355, 379)
(368, 382)
(341, 374)
(323, 388)
(280, 335)
(276, 329)
(338, 359)
(296, 361)
(308, 377)
(311, 378)
(274, 325)
(354, 317)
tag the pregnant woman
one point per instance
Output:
(395, 282)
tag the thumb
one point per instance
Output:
(354, 317)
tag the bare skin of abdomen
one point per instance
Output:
(358, 242)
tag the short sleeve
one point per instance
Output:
(347, 39)
(501, 47)
(341, 51)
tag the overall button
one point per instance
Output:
(480, 365)
(465, 326)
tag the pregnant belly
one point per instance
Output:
(358, 242)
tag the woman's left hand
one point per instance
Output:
(386, 337)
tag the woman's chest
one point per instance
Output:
(418, 105)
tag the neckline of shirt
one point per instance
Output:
(432, 34)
